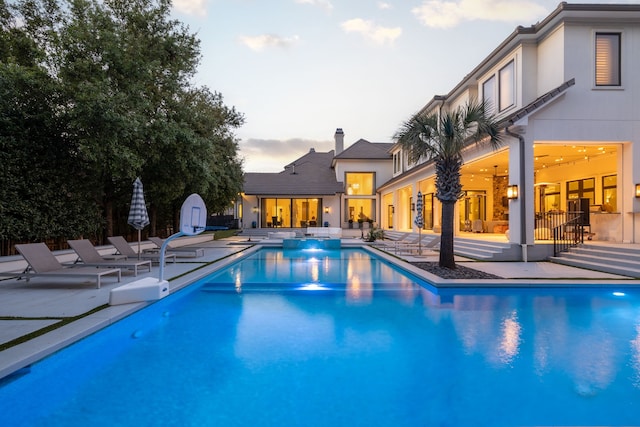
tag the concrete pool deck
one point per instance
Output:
(27, 308)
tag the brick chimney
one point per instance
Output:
(339, 137)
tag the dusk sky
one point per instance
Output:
(299, 69)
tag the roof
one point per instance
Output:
(365, 150)
(537, 103)
(564, 12)
(310, 175)
(505, 123)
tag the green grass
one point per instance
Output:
(222, 234)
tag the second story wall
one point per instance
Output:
(549, 66)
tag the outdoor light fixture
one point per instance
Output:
(637, 190)
(393, 209)
(255, 209)
(326, 210)
(512, 191)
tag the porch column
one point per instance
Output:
(521, 209)
(629, 205)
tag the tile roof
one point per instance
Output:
(310, 175)
(363, 149)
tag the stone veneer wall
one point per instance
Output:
(500, 184)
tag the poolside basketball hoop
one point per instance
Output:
(193, 221)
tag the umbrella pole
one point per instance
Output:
(139, 244)
(419, 240)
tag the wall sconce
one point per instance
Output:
(326, 210)
(512, 191)
(637, 190)
(255, 209)
(393, 209)
(413, 206)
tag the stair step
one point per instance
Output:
(597, 266)
(606, 260)
(607, 252)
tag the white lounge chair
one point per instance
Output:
(42, 263)
(124, 248)
(178, 251)
(90, 256)
(418, 244)
(391, 241)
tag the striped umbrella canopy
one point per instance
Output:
(419, 221)
(138, 216)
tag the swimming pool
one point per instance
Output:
(341, 338)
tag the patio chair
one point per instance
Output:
(90, 256)
(390, 243)
(43, 263)
(420, 243)
(124, 248)
(178, 251)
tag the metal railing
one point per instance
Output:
(569, 234)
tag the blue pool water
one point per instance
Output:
(340, 338)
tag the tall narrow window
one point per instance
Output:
(397, 159)
(489, 94)
(609, 193)
(507, 90)
(608, 59)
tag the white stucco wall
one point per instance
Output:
(550, 68)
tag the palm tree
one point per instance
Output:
(441, 138)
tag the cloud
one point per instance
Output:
(448, 14)
(271, 155)
(263, 41)
(325, 4)
(384, 5)
(191, 7)
(369, 30)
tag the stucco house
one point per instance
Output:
(567, 93)
(319, 188)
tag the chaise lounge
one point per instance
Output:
(124, 248)
(90, 256)
(42, 263)
(178, 251)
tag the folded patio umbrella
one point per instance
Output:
(419, 221)
(138, 216)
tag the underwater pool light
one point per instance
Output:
(618, 294)
(312, 287)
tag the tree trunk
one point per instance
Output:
(108, 214)
(446, 243)
(153, 220)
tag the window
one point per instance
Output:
(550, 194)
(582, 188)
(609, 193)
(360, 210)
(507, 93)
(397, 162)
(488, 94)
(608, 59)
(428, 211)
(360, 184)
(291, 213)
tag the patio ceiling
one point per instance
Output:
(547, 154)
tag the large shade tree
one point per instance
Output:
(38, 199)
(441, 138)
(94, 94)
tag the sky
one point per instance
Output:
(299, 69)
